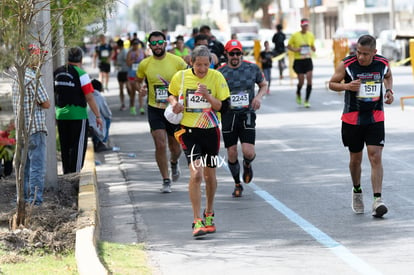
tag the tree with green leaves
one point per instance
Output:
(168, 13)
(252, 6)
(161, 14)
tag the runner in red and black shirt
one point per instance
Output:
(368, 82)
(239, 121)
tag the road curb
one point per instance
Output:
(87, 235)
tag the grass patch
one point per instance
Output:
(125, 259)
(12, 263)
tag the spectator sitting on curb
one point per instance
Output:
(100, 136)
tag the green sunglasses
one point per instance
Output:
(160, 42)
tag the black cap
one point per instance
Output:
(75, 55)
(97, 85)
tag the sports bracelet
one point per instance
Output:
(389, 90)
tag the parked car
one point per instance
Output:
(390, 47)
(247, 40)
(352, 35)
(220, 36)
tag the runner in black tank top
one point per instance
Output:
(368, 85)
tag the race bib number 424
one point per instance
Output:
(197, 101)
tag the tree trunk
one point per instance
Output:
(266, 20)
(21, 151)
(44, 31)
(280, 18)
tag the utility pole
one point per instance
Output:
(280, 18)
(44, 30)
(306, 12)
(392, 17)
(60, 54)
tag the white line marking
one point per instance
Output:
(339, 250)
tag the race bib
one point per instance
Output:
(104, 53)
(305, 50)
(239, 100)
(135, 66)
(161, 93)
(369, 90)
(196, 102)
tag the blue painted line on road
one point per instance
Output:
(338, 249)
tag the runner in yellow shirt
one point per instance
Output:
(204, 94)
(157, 71)
(302, 43)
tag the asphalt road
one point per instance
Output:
(294, 218)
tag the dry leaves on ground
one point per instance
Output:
(51, 227)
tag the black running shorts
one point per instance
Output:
(302, 66)
(237, 126)
(122, 76)
(355, 136)
(104, 67)
(203, 144)
(157, 120)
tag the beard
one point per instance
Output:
(158, 52)
(234, 62)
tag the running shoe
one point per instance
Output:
(238, 190)
(122, 108)
(378, 208)
(132, 111)
(298, 100)
(199, 229)
(175, 171)
(209, 222)
(166, 186)
(247, 173)
(306, 104)
(357, 202)
(142, 111)
(101, 147)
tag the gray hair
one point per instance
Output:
(200, 50)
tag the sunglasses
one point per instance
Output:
(160, 42)
(235, 53)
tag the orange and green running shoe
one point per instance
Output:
(199, 228)
(209, 222)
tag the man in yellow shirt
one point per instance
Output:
(302, 43)
(157, 71)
